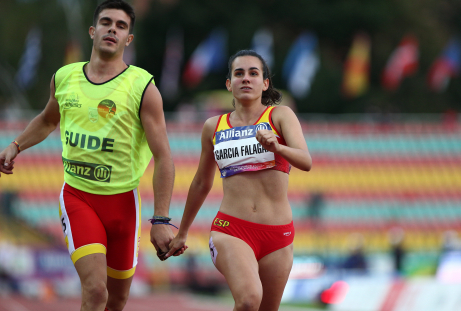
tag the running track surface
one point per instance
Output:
(157, 302)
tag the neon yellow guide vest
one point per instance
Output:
(104, 145)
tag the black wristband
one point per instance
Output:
(161, 220)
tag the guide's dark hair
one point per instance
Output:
(271, 96)
(115, 4)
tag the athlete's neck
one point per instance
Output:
(246, 115)
(99, 70)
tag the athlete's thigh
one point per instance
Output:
(119, 290)
(274, 270)
(92, 270)
(237, 262)
(120, 214)
(84, 232)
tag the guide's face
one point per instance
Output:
(112, 32)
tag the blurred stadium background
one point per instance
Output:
(375, 85)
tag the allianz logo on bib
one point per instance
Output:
(263, 126)
(241, 132)
(86, 170)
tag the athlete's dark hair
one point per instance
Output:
(115, 4)
(271, 96)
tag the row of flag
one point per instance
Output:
(403, 62)
(299, 69)
(302, 63)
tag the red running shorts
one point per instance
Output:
(107, 224)
(263, 239)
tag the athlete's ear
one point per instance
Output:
(129, 39)
(92, 31)
(228, 85)
(266, 84)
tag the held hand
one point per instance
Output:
(6, 159)
(177, 246)
(161, 236)
(268, 140)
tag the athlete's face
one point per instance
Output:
(112, 32)
(247, 81)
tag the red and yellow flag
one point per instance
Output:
(357, 67)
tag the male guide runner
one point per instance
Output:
(112, 122)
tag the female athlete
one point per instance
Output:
(254, 147)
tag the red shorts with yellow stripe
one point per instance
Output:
(263, 239)
(107, 224)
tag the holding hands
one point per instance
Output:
(177, 246)
(162, 237)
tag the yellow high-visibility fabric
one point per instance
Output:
(105, 150)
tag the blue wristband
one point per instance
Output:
(160, 220)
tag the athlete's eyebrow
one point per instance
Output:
(108, 19)
(105, 19)
(251, 68)
(123, 23)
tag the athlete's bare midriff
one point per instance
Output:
(259, 197)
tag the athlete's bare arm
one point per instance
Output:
(37, 130)
(153, 121)
(200, 186)
(289, 127)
